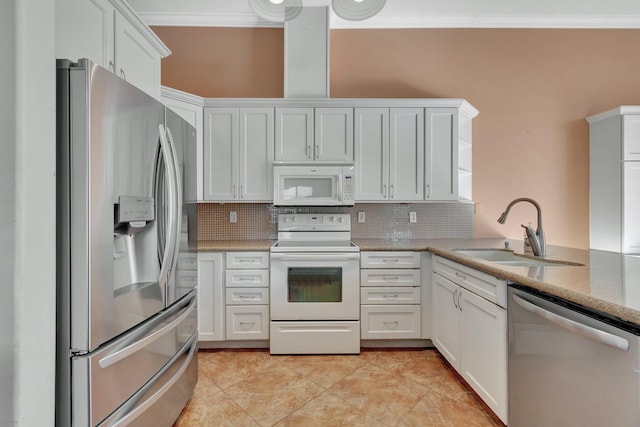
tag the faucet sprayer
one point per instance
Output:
(536, 238)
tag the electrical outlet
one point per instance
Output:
(412, 217)
(233, 216)
(360, 216)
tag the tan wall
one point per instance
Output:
(533, 88)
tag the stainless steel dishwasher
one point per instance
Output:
(568, 368)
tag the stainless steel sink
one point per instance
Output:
(505, 257)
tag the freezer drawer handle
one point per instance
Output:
(132, 414)
(573, 326)
(130, 349)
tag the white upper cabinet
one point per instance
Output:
(137, 61)
(238, 153)
(389, 146)
(85, 29)
(406, 153)
(110, 34)
(308, 134)
(334, 134)
(294, 134)
(372, 153)
(448, 155)
(190, 108)
(614, 183)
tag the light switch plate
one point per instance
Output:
(360, 216)
(412, 217)
(233, 216)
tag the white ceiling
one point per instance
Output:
(413, 14)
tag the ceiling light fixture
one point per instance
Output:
(276, 10)
(357, 10)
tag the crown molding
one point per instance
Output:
(178, 95)
(398, 22)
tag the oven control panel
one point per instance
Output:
(314, 222)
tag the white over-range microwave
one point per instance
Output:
(313, 185)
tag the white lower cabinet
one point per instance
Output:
(471, 331)
(247, 295)
(390, 295)
(211, 303)
(247, 322)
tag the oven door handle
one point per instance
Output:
(315, 256)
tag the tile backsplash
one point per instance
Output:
(388, 221)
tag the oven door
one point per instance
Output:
(315, 286)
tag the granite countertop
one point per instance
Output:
(606, 282)
(235, 245)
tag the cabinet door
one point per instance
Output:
(631, 137)
(441, 160)
(446, 319)
(334, 134)
(483, 338)
(294, 134)
(137, 61)
(211, 300)
(256, 154)
(372, 153)
(193, 115)
(406, 154)
(220, 154)
(84, 29)
(631, 208)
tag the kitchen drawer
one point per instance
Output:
(247, 278)
(247, 322)
(186, 279)
(390, 277)
(241, 260)
(390, 295)
(187, 261)
(395, 259)
(247, 296)
(484, 285)
(390, 321)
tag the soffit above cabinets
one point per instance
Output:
(412, 14)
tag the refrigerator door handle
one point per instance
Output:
(167, 259)
(127, 351)
(178, 200)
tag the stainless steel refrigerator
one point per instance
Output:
(126, 269)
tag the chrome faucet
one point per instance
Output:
(536, 238)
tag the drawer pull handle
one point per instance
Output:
(391, 279)
(454, 298)
(391, 325)
(246, 297)
(391, 261)
(247, 325)
(392, 296)
(246, 279)
(461, 276)
(247, 261)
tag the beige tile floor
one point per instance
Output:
(375, 388)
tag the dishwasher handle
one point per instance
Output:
(573, 326)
